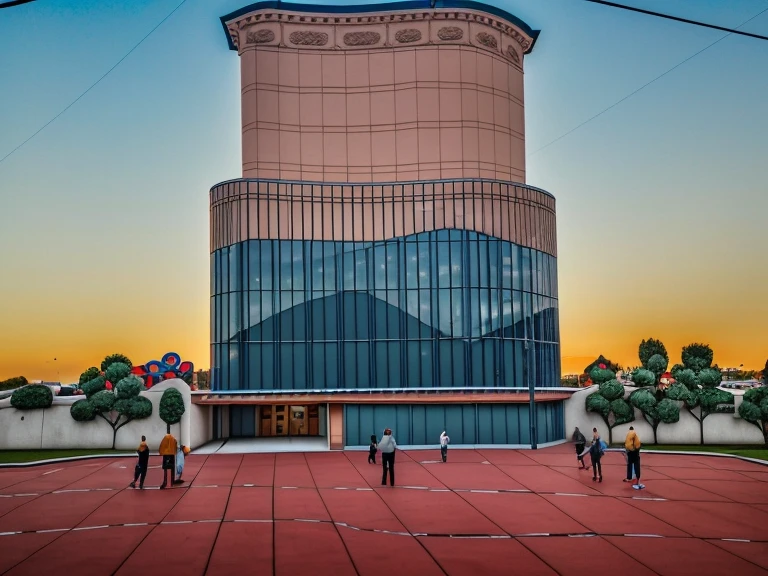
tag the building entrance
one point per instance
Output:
(289, 420)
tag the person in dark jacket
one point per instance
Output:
(372, 449)
(581, 443)
(388, 447)
(142, 465)
(596, 453)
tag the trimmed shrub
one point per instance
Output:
(103, 401)
(89, 375)
(678, 392)
(129, 386)
(116, 372)
(658, 365)
(612, 390)
(11, 383)
(596, 403)
(114, 358)
(668, 411)
(93, 386)
(32, 397)
(82, 411)
(649, 348)
(622, 412)
(171, 406)
(134, 408)
(697, 356)
(600, 375)
(643, 377)
(710, 378)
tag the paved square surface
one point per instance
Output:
(483, 512)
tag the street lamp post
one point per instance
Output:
(531, 395)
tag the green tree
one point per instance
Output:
(89, 375)
(112, 358)
(701, 381)
(657, 364)
(649, 348)
(765, 373)
(697, 357)
(608, 400)
(117, 407)
(754, 409)
(171, 407)
(655, 411)
(32, 397)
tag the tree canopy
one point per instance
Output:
(649, 348)
(171, 407)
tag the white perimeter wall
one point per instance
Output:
(54, 428)
(718, 428)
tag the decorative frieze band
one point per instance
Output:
(380, 31)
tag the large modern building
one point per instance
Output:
(381, 262)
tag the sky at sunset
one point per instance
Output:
(662, 202)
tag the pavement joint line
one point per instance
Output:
(357, 528)
(425, 488)
(736, 540)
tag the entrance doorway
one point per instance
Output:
(289, 420)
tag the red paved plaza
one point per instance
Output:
(484, 512)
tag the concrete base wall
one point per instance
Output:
(718, 428)
(54, 428)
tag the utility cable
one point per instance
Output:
(628, 96)
(92, 86)
(678, 19)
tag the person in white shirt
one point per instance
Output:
(387, 447)
(444, 441)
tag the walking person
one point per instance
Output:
(632, 445)
(140, 472)
(444, 441)
(372, 449)
(596, 454)
(180, 455)
(168, 448)
(387, 446)
(581, 442)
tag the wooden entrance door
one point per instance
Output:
(284, 420)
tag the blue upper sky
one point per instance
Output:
(662, 201)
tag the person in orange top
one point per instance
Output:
(632, 445)
(168, 447)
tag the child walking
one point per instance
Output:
(372, 449)
(180, 454)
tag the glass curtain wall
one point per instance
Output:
(447, 308)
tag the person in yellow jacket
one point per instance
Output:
(168, 447)
(632, 445)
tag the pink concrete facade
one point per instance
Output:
(381, 97)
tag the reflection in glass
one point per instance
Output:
(436, 309)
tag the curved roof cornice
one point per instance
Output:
(375, 14)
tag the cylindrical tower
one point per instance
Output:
(382, 236)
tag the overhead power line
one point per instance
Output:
(678, 19)
(92, 86)
(11, 3)
(628, 96)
